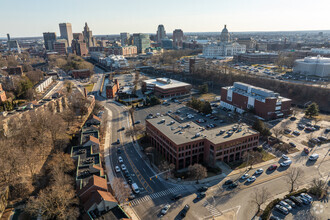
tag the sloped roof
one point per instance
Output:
(97, 197)
(94, 181)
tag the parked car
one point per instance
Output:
(259, 171)
(292, 144)
(282, 209)
(274, 218)
(233, 185)
(117, 169)
(184, 211)
(123, 167)
(296, 200)
(322, 138)
(120, 159)
(285, 157)
(118, 141)
(165, 209)
(201, 195)
(292, 204)
(285, 205)
(301, 126)
(118, 151)
(306, 150)
(286, 163)
(306, 196)
(251, 179)
(272, 167)
(176, 197)
(297, 133)
(203, 189)
(317, 127)
(138, 122)
(304, 200)
(245, 176)
(228, 182)
(313, 157)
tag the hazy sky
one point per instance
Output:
(23, 18)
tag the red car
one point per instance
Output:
(306, 150)
(272, 167)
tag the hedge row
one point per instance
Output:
(265, 215)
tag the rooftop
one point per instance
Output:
(181, 133)
(166, 83)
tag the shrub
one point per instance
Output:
(304, 190)
(266, 213)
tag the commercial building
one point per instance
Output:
(224, 48)
(167, 43)
(249, 42)
(122, 50)
(114, 61)
(60, 47)
(83, 73)
(253, 58)
(178, 39)
(3, 96)
(141, 41)
(79, 47)
(313, 66)
(49, 40)
(42, 85)
(161, 34)
(13, 70)
(164, 87)
(192, 65)
(13, 45)
(263, 102)
(124, 39)
(66, 32)
(112, 88)
(186, 143)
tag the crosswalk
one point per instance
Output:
(214, 211)
(158, 195)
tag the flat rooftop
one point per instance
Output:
(166, 83)
(181, 133)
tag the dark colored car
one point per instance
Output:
(201, 195)
(184, 211)
(292, 144)
(176, 197)
(233, 185)
(272, 167)
(306, 150)
(296, 200)
(203, 189)
(118, 151)
(228, 182)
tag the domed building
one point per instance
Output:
(225, 48)
(313, 66)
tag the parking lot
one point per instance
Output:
(300, 131)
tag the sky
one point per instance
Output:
(29, 18)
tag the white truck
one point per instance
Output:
(135, 188)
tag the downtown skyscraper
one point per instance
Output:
(66, 32)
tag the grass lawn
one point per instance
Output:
(207, 97)
(89, 87)
(239, 164)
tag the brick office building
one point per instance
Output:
(184, 144)
(265, 103)
(164, 87)
(83, 73)
(112, 89)
(123, 50)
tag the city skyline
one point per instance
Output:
(210, 16)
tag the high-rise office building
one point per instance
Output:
(161, 34)
(177, 38)
(141, 41)
(124, 39)
(66, 32)
(13, 45)
(88, 37)
(49, 39)
(78, 45)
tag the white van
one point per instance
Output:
(135, 188)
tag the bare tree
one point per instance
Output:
(121, 190)
(277, 131)
(252, 157)
(166, 166)
(259, 197)
(319, 187)
(197, 171)
(293, 177)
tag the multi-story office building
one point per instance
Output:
(263, 102)
(177, 38)
(49, 40)
(141, 41)
(124, 39)
(164, 87)
(66, 32)
(112, 88)
(123, 50)
(60, 46)
(192, 65)
(252, 58)
(224, 48)
(78, 45)
(161, 34)
(185, 143)
(13, 45)
(167, 43)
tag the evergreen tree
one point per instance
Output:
(312, 110)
